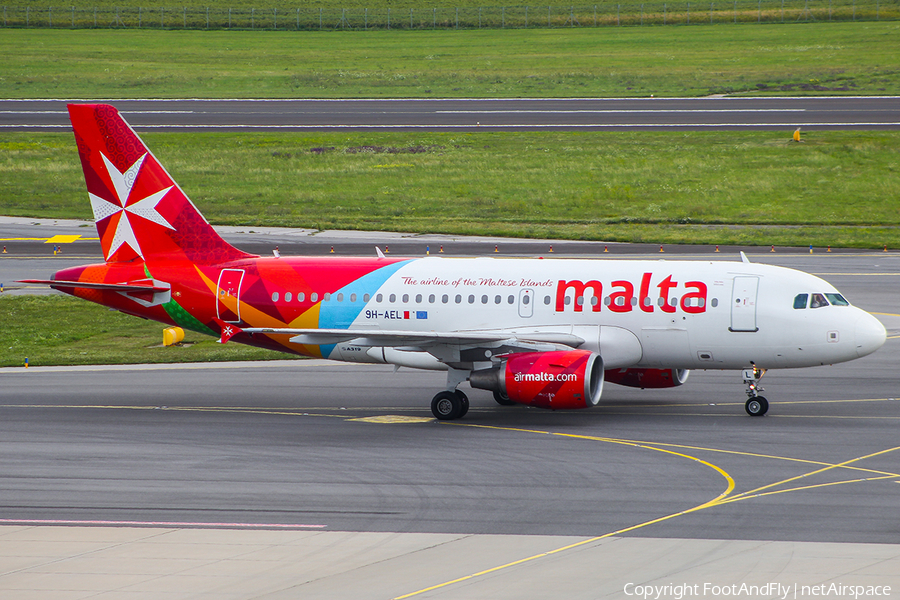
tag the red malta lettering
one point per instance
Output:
(622, 300)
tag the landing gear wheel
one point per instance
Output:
(446, 406)
(757, 407)
(502, 399)
(464, 400)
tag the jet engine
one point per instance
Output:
(647, 378)
(555, 380)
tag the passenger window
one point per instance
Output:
(547, 300)
(287, 296)
(458, 299)
(314, 297)
(392, 298)
(340, 297)
(818, 301)
(379, 297)
(800, 300)
(837, 300)
(471, 298)
(405, 298)
(301, 297)
(326, 297)
(418, 298)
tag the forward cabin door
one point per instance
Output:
(228, 293)
(743, 304)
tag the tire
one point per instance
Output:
(502, 399)
(464, 406)
(757, 407)
(446, 406)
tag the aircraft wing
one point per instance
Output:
(422, 339)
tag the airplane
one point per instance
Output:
(543, 333)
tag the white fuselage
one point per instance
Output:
(634, 313)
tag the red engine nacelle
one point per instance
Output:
(555, 380)
(648, 378)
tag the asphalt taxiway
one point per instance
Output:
(313, 479)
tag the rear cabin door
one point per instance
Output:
(743, 304)
(228, 293)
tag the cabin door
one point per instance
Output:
(743, 304)
(228, 293)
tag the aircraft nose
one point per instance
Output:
(870, 334)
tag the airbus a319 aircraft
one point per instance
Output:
(544, 333)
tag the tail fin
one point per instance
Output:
(139, 209)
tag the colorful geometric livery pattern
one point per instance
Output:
(148, 225)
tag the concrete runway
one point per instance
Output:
(324, 480)
(840, 112)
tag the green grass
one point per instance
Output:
(834, 188)
(61, 330)
(842, 58)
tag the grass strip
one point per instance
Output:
(62, 330)
(440, 14)
(822, 57)
(834, 188)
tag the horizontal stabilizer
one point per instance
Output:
(131, 286)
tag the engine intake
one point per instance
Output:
(647, 378)
(555, 380)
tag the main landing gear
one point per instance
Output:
(448, 405)
(451, 403)
(756, 405)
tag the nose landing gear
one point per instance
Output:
(756, 405)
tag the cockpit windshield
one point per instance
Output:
(837, 300)
(818, 300)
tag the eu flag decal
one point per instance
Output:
(421, 314)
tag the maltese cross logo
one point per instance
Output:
(126, 208)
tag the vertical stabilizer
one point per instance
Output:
(140, 211)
